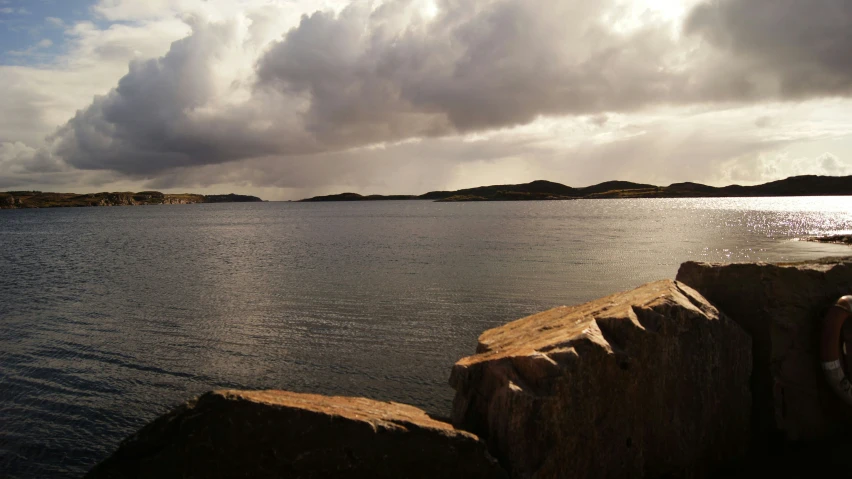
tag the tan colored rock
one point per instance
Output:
(279, 434)
(644, 383)
(782, 306)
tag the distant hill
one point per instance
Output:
(231, 198)
(38, 199)
(547, 190)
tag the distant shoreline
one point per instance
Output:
(832, 239)
(542, 190)
(38, 199)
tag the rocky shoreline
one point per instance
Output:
(833, 239)
(714, 374)
(38, 199)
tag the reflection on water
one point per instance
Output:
(109, 316)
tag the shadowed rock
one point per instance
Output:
(266, 434)
(645, 383)
(782, 306)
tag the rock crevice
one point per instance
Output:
(643, 378)
(782, 306)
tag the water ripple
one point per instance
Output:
(110, 316)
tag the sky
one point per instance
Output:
(285, 99)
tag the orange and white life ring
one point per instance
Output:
(830, 353)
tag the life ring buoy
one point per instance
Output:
(830, 348)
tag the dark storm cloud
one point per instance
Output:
(155, 118)
(342, 81)
(338, 81)
(479, 65)
(784, 49)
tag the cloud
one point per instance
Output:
(366, 75)
(23, 118)
(33, 49)
(579, 152)
(763, 122)
(776, 49)
(769, 166)
(173, 111)
(11, 11)
(476, 65)
(250, 94)
(38, 99)
(832, 165)
(22, 165)
(55, 22)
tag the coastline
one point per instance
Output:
(38, 199)
(830, 239)
(542, 190)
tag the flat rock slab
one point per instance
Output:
(646, 383)
(279, 434)
(782, 306)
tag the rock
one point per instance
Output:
(648, 382)
(836, 239)
(265, 434)
(781, 306)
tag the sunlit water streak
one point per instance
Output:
(109, 316)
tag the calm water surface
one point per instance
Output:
(110, 316)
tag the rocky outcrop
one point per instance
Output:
(278, 434)
(781, 306)
(834, 239)
(116, 199)
(231, 198)
(186, 199)
(645, 383)
(38, 199)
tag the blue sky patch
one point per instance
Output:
(32, 32)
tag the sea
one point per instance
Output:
(110, 316)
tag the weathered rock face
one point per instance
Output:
(266, 434)
(782, 306)
(649, 382)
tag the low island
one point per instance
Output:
(809, 185)
(38, 199)
(832, 239)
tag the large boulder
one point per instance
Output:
(645, 383)
(781, 306)
(278, 434)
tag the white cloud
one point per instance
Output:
(40, 99)
(766, 167)
(55, 22)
